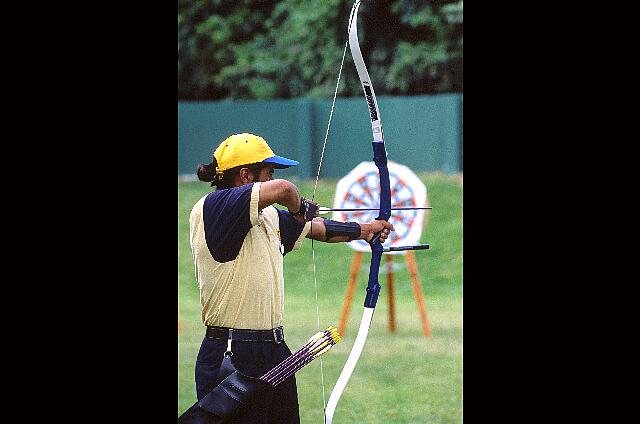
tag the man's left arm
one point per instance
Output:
(336, 232)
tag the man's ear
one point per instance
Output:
(246, 176)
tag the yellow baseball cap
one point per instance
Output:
(245, 149)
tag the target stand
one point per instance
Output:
(357, 199)
(412, 268)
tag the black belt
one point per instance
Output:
(273, 335)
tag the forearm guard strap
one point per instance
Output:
(348, 229)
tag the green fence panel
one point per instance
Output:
(203, 125)
(422, 132)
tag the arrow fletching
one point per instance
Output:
(317, 345)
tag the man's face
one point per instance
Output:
(266, 174)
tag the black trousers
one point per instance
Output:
(278, 405)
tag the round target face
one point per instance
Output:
(360, 189)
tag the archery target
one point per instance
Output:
(360, 188)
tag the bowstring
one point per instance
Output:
(315, 187)
(326, 135)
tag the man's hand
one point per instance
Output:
(376, 226)
(308, 210)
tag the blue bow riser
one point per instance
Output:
(373, 288)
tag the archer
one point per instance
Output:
(239, 240)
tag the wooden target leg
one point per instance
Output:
(415, 281)
(351, 287)
(390, 294)
(179, 324)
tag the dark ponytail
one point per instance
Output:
(207, 173)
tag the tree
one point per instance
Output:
(292, 48)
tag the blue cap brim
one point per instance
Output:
(279, 162)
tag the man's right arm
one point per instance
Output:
(279, 191)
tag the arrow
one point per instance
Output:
(327, 210)
(402, 248)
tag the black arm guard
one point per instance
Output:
(348, 229)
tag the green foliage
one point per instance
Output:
(208, 31)
(431, 52)
(292, 56)
(257, 49)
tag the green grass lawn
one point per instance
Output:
(402, 377)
